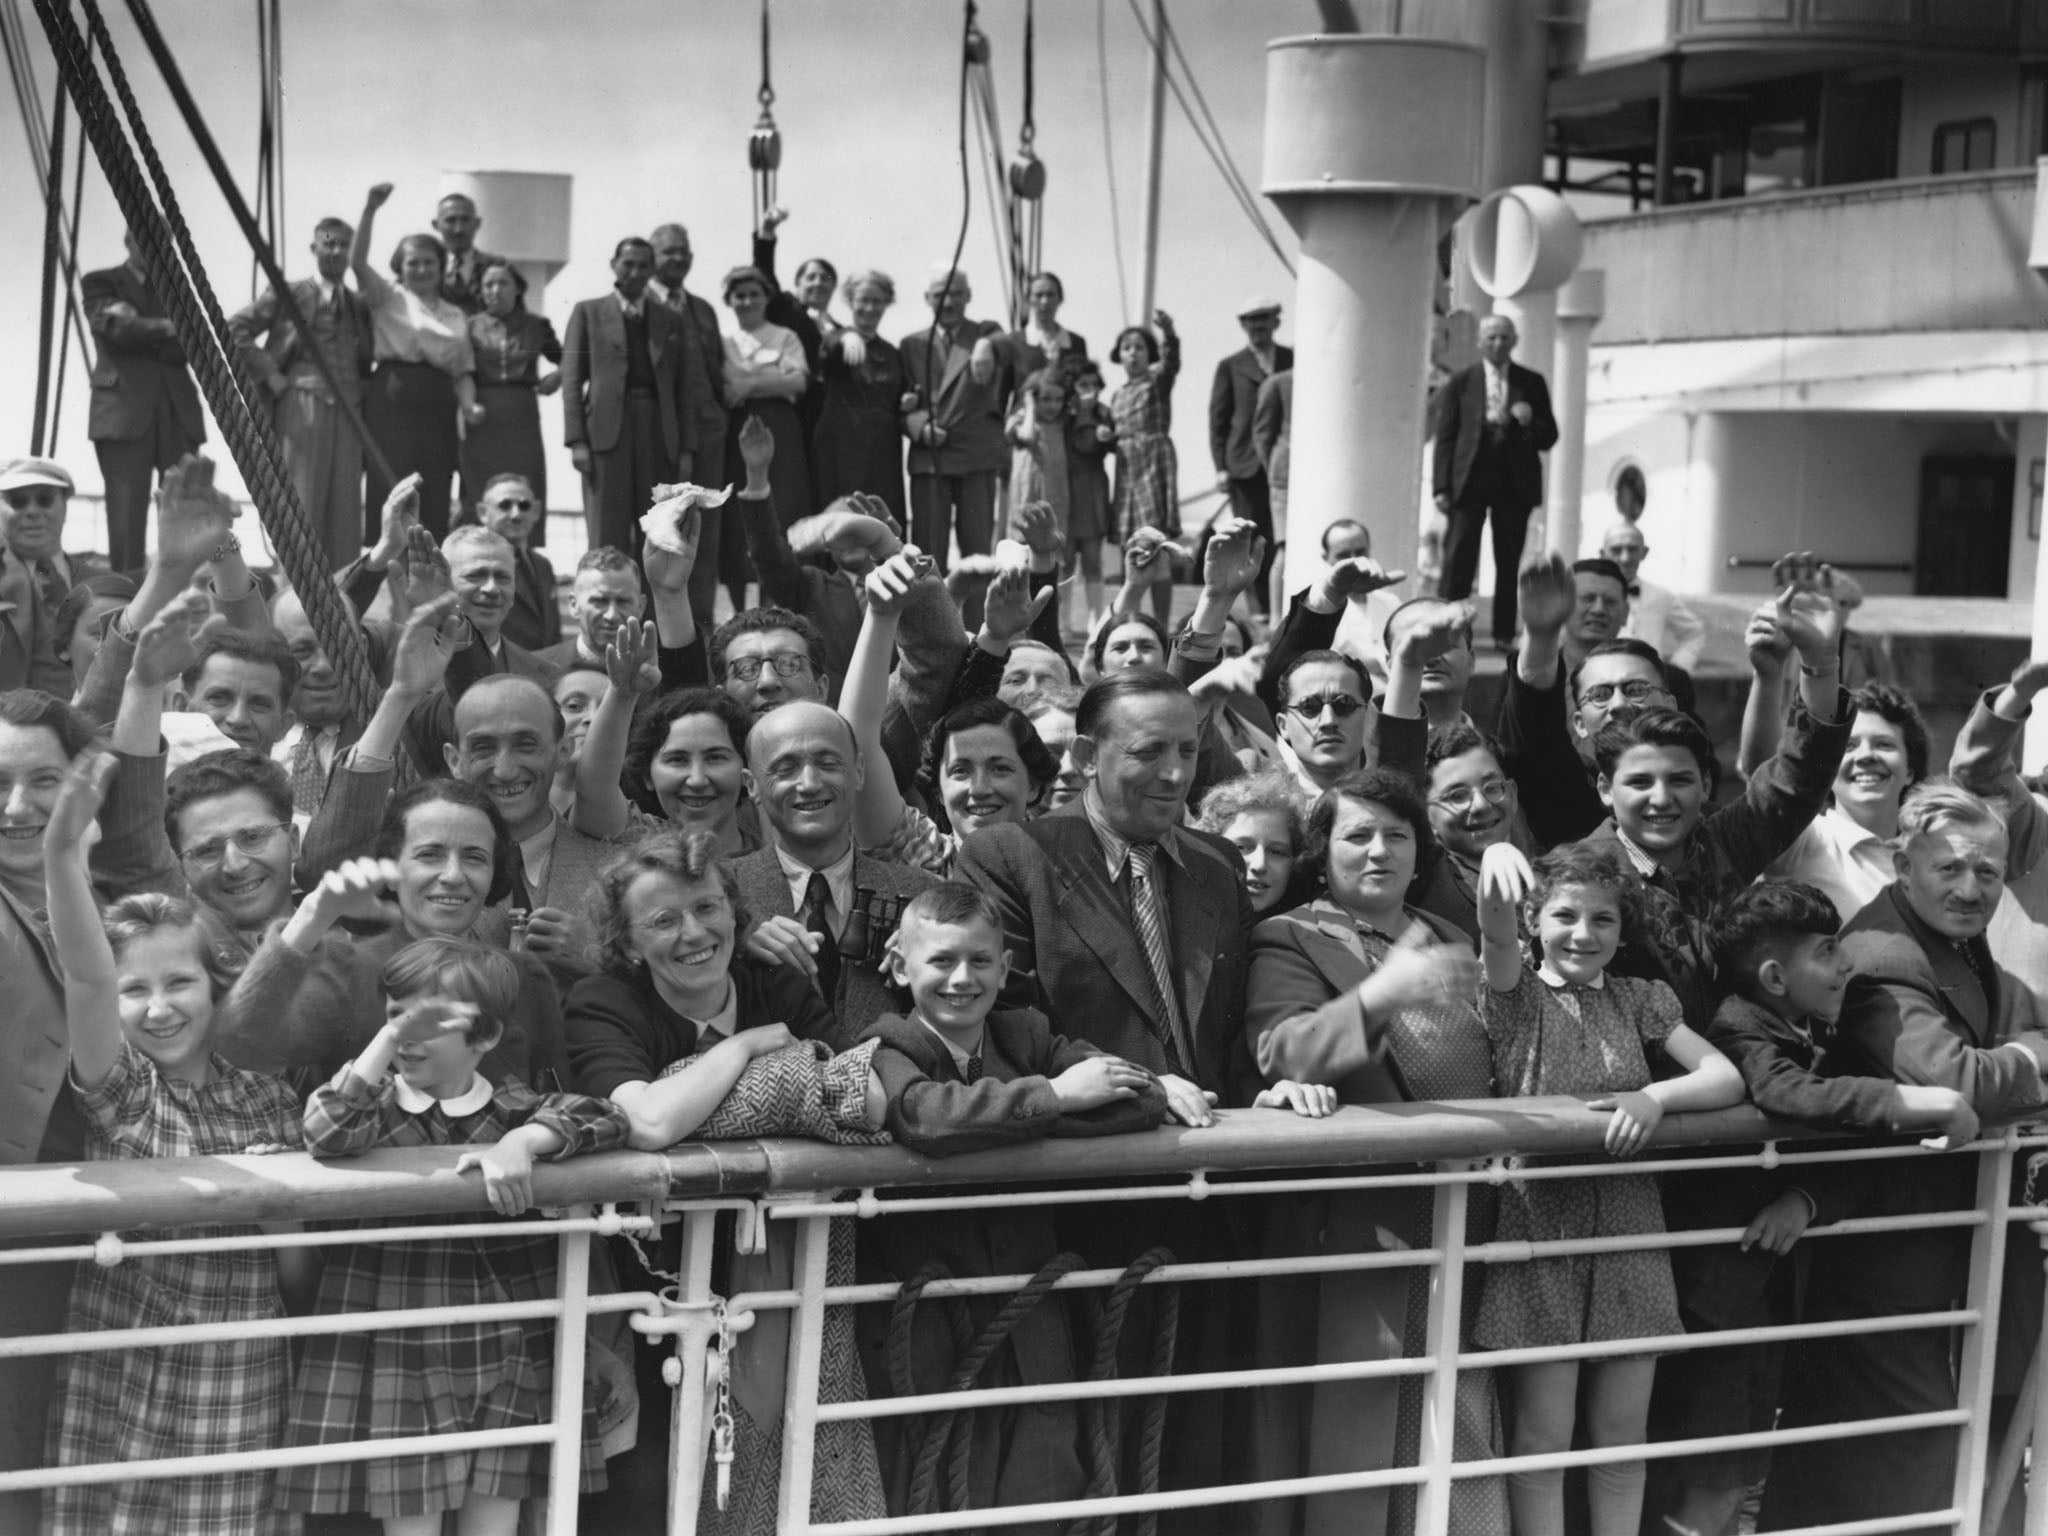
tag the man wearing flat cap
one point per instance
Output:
(35, 575)
(1232, 404)
(953, 415)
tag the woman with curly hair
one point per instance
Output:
(693, 1039)
(1260, 816)
(686, 767)
(1374, 1001)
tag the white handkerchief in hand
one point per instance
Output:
(662, 526)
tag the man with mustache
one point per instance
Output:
(1921, 1008)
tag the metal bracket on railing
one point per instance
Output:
(1768, 1159)
(865, 1205)
(1497, 1171)
(750, 1228)
(108, 1251)
(1198, 1184)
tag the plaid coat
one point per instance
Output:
(454, 1376)
(190, 1399)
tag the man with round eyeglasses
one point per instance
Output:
(228, 816)
(769, 656)
(1323, 700)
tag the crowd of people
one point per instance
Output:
(892, 856)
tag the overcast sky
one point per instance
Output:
(649, 105)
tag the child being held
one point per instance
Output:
(962, 1075)
(1774, 945)
(416, 1085)
(1570, 1026)
(141, 997)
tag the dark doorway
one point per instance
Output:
(1965, 526)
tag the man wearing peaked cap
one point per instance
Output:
(1233, 402)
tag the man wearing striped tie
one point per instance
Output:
(1129, 930)
(1132, 932)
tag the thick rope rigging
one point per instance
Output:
(249, 437)
(53, 250)
(264, 250)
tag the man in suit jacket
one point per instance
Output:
(804, 771)
(456, 221)
(1920, 1008)
(1233, 403)
(955, 423)
(627, 410)
(35, 574)
(144, 415)
(321, 450)
(1493, 420)
(482, 568)
(704, 370)
(1070, 889)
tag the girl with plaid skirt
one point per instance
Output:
(446, 1000)
(140, 995)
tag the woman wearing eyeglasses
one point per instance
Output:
(510, 343)
(1363, 993)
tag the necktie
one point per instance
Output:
(50, 586)
(521, 895)
(975, 1072)
(309, 784)
(817, 915)
(1148, 911)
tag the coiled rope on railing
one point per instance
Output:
(202, 331)
(1101, 1418)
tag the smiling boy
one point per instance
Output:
(962, 1075)
(1776, 945)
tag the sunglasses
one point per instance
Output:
(1342, 705)
(42, 496)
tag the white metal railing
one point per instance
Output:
(795, 1191)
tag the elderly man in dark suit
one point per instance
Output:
(1921, 1008)
(1492, 422)
(1233, 404)
(144, 414)
(321, 449)
(627, 409)
(955, 423)
(809, 885)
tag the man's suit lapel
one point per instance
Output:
(611, 324)
(1196, 905)
(1961, 992)
(16, 591)
(1097, 912)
